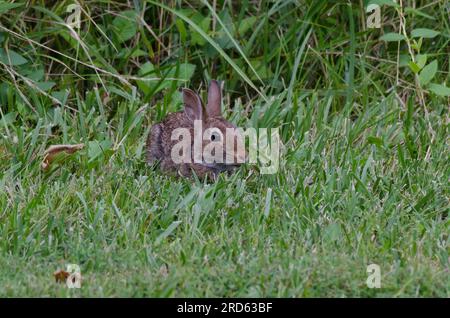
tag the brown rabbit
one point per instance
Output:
(160, 143)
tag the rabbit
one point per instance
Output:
(160, 144)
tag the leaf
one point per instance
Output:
(45, 86)
(5, 7)
(200, 21)
(392, 37)
(416, 45)
(424, 33)
(147, 70)
(61, 96)
(414, 67)
(52, 151)
(125, 25)
(13, 59)
(439, 89)
(222, 39)
(8, 119)
(36, 74)
(415, 11)
(196, 37)
(404, 60)
(181, 30)
(263, 69)
(246, 24)
(96, 148)
(139, 53)
(421, 60)
(428, 72)
(183, 74)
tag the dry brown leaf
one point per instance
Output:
(61, 276)
(52, 151)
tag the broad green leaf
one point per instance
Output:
(421, 60)
(262, 68)
(392, 37)
(36, 75)
(246, 24)
(5, 7)
(8, 119)
(196, 37)
(414, 67)
(418, 12)
(404, 60)
(125, 25)
(201, 21)
(146, 70)
(439, 89)
(14, 58)
(45, 86)
(424, 33)
(96, 148)
(428, 72)
(138, 53)
(61, 96)
(416, 45)
(181, 30)
(222, 38)
(185, 72)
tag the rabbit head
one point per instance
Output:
(222, 143)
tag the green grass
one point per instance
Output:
(364, 170)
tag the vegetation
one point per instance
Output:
(364, 171)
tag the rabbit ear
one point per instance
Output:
(213, 108)
(192, 104)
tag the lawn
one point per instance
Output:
(364, 164)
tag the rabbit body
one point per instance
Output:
(160, 143)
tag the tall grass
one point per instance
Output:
(363, 116)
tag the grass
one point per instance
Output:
(363, 174)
